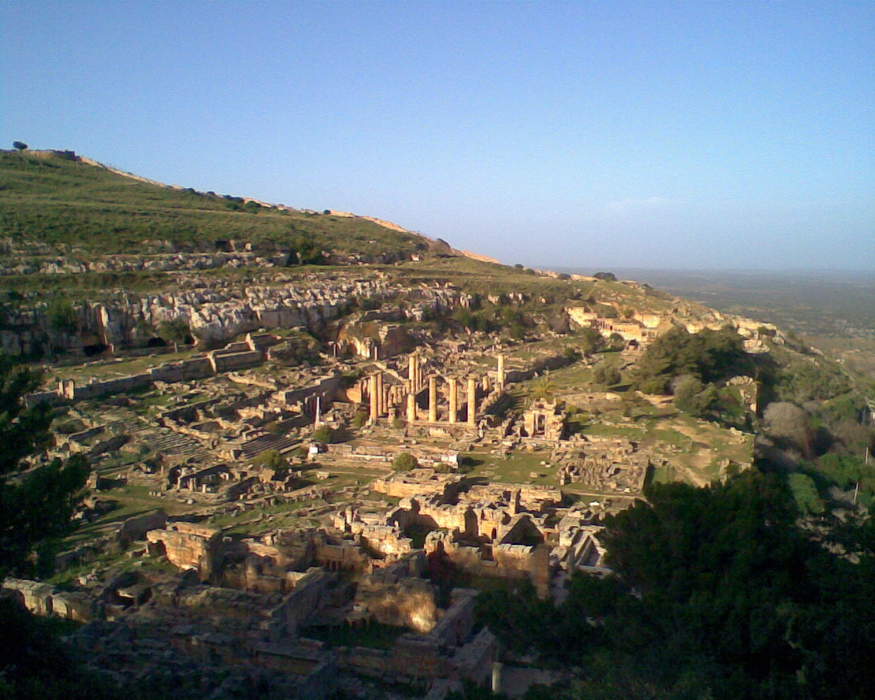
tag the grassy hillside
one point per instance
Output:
(70, 204)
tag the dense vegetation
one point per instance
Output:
(717, 594)
(694, 367)
(815, 425)
(709, 356)
(36, 503)
(811, 412)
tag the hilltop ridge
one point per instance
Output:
(58, 202)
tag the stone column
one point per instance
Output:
(381, 397)
(375, 402)
(472, 401)
(454, 405)
(432, 399)
(501, 371)
(412, 372)
(497, 667)
(411, 407)
(67, 389)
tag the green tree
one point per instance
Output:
(36, 500)
(404, 462)
(360, 419)
(544, 388)
(61, 315)
(717, 593)
(790, 425)
(324, 433)
(723, 575)
(616, 342)
(693, 397)
(805, 493)
(709, 356)
(303, 250)
(607, 374)
(591, 341)
(271, 459)
(605, 276)
(19, 145)
(36, 665)
(175, 331)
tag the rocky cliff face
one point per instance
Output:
(214, 312)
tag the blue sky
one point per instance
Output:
(588, 134)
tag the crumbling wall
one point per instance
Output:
(123, 385)
(136, 528)
(511, 561)
(311, 594)
(418, 482)
(407, 602)
(227, 361)
(188, 546)
(458, 621)
(44, 599)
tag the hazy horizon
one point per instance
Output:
(784, 272)
(671, 135)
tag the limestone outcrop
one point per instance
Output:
(214, 313)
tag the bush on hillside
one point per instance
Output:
(62, 316)
(607, 374)
(271, 459)
(176, 331)
(303, 250)
(324, 433)
(404, 462)
(590, 341)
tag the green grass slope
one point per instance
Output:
(63, 203)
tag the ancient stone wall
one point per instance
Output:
(122, 385)
(418, 482)
(407, 602)
(44, 599)
(228, 361)
(136, 528)
(311, 593)
(496, 561)
(188, 546)
(195, 368)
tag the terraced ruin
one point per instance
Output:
(304, 473)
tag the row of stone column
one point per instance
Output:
(379, 405)
(453, 400)
(415, 373)
(416, 380)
